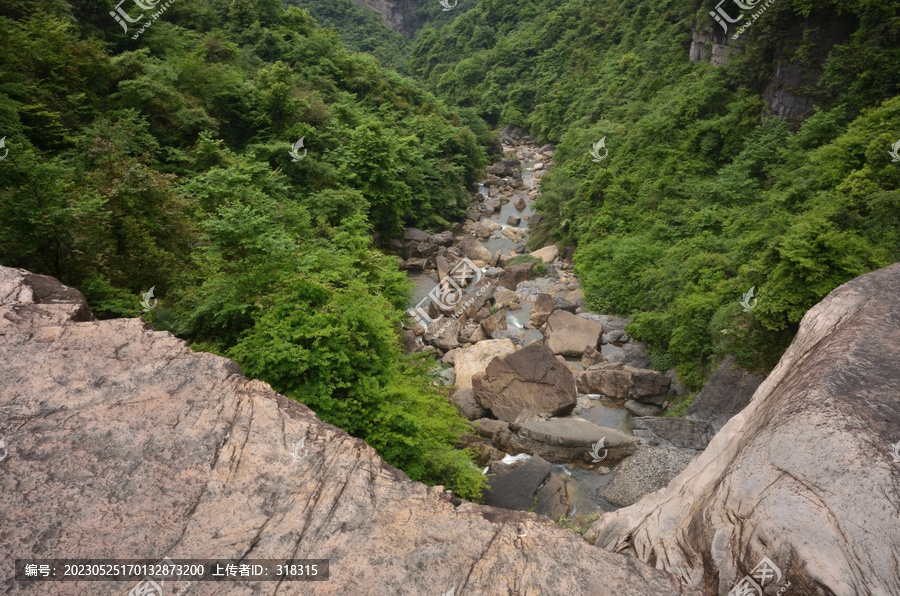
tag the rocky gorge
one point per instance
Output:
(119, 441)
(558, 395)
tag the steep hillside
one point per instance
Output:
(235, 163)
(706, 192)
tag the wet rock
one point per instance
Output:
(567, 440)
(531, 381)
(613, 379)
(647, 471)
(516, 489)
(547, 254)
(476, 358)
(569, 335)
(515, 234)
(520, 204)
(673, 432)
(514, 275)
(726, 393)
(468, 406)
(513, 220)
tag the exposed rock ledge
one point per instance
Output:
(803, 475)
(124, 443)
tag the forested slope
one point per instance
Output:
(163, 161)
(704, 193)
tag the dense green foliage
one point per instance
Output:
(163, 161)
(700, 198)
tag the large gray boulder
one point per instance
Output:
(568, 334)
(726, 393)
(531, 382)
(515, 489)
(803, 476)
(473, 249)
(565, 440)
(121, 442)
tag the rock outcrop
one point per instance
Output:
(804, 475)
(569, 335)
(124, 443)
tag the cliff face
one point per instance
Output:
(399, 15)
(808, 474)
(121, 442)
(804, 44)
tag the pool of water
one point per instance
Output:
(609, 414)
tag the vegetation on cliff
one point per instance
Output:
(703, 194)
(164, 162)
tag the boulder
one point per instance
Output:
(807, 460)
(516, 335)
(516, 488)
(504, 297)
(726, 393)
(541, 310)
(547, 254)
(494, 323)
(514, 275)
(515, 234)
(556, 497)
(416, 235)
(513, 220)
(520, 204)
(591, 356)
(473, 249)
(567, 440)
(121, 442)
(444, 238)
(563, 304)
(531, 381)
(476, 358)
(468, 406)
(639, 409)
(414, 264)
(488, 427)
(673, 432)
(569, 335)
(576, 297)
(443, 333)
(589, 381)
